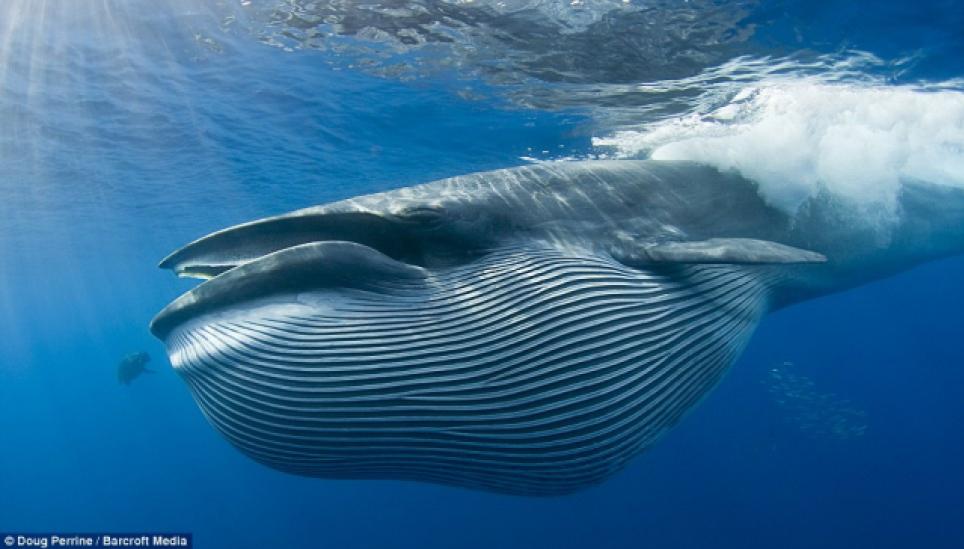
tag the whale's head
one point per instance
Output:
(524, 331)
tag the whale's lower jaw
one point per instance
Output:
(527, 372)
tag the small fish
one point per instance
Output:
(821, 415)
(132, 366)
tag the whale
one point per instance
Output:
(526, 331)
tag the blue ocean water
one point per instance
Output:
(130, 128)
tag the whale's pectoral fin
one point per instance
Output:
(715, 250)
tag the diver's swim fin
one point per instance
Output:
(714, 250)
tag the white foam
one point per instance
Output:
(796, 138)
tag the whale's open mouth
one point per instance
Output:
(203, 272)
(312, 250)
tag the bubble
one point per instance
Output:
(797, 138)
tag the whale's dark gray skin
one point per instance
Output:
(132, 366)
(526, 330)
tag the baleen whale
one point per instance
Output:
(527, 330)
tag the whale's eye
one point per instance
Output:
(425, 217)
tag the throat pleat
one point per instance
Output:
(529, 371)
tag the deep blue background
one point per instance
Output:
(103, 172)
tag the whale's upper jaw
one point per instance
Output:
(410, 233)
(223, 250)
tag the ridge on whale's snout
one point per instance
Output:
(223, 250)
